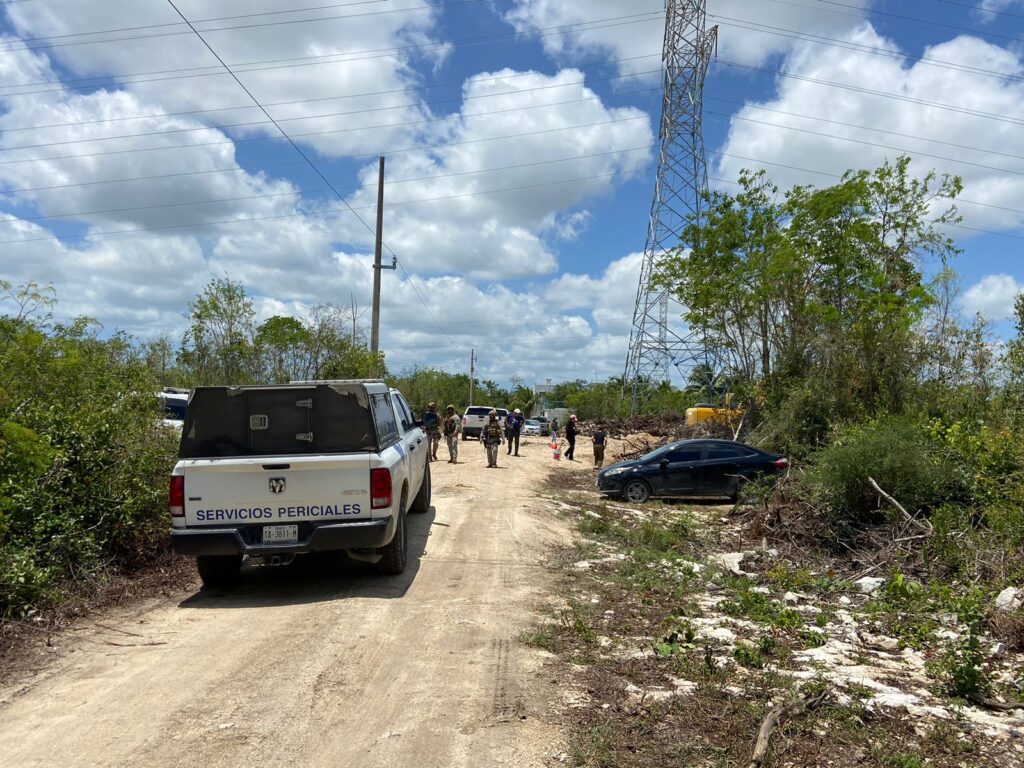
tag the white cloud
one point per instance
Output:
(564, 148)
(992, 297)
(994, 7)
(373, 86)
(739, 39)
(573, 150)
(991, 173)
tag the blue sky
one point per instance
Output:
(518, 141)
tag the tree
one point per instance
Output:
(218, 347)
(825, 285)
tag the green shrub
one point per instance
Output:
(83, 460)
(898, 453)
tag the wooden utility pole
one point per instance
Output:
(378, 247)
(472, 373)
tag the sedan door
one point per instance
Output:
(677, 471)
(722, 472)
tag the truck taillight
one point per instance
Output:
(782, 463)
(380, 488)
(177, 496)
(465, 421)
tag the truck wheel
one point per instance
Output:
(636, 491)
(219, 570)
(421, 504)
(395, 553)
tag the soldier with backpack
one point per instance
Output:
(491, 437)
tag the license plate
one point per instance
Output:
(280, 534)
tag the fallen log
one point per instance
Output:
(775, 717)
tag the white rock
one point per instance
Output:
(844, 600)
(730, 561)
(761, 590)
(582, 565)
(869, 584)
(604, 642)
(880, 641)
(721, 634)
(998, 651)
(1010, 599)
(791, 598)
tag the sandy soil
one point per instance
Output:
(326, 664)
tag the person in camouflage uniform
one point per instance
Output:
(452, 427)
(491, 437)
(432, 426)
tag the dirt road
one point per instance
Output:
(326, 665)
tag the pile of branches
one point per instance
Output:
(643, 433)
(666, 426)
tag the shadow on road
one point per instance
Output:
(319, 577)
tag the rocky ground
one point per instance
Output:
(678, 633)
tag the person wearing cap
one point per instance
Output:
(452, 428)
(599, 438)
(570, 436)
(513, 427)
(490, 436)
(432, 426)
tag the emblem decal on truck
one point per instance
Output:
(277, 485)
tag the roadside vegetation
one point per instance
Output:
(872, 600)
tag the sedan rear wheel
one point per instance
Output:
(636, 491)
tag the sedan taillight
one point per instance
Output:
(782, 463)
(380, 488)
(177, 496)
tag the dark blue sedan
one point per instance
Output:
(689, 468)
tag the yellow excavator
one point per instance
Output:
(727, 413)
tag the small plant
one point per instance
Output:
(751, 658)
(544, 638)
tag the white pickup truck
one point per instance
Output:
(266, 473)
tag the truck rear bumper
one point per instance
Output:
(362, 534)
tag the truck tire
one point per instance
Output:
(421, 504)
(395, 553)
(219, 570)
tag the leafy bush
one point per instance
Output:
(83, 459)
(899, 454)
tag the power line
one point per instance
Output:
(872, 92)
(761, 108)
(332, 58)
(426, 8)
(316, 170)
(203, 21)
(903, 19)
(272, 24)
(324, 133)
(363, 94)
(980, 9)
(439, 102)
(865, 143)
(251, 219)
(75, 214)
(852, 46)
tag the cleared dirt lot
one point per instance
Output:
(325, 664)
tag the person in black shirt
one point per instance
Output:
(570, 436)
(599, 438)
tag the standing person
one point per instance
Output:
(432, 426)
(452, 428)
(599, 438)
(490, 436)
(515, 427)
(554, 430)
(570, 436)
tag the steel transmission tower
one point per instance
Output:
(682, 178)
